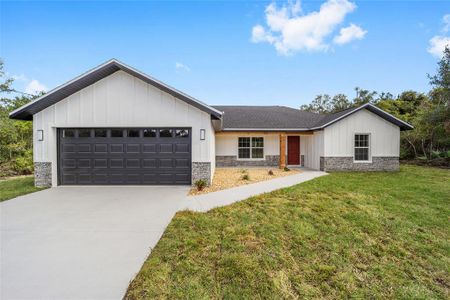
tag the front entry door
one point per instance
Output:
(293, 150)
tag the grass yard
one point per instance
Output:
(11, 188)
(359, 235)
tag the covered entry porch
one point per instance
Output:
(274, 148)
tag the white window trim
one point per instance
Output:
(252, 159)
(369, 161)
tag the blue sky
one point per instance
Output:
(212, 51)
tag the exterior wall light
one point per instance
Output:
(40, 135)
(202, 134)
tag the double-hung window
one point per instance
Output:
(362, 147)
(251, 148)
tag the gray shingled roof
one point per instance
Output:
(272, 118)
(267, 117)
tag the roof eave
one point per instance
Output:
(378, 111)
(111, 66)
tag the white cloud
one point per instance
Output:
(34, 87)
(438, 43)
(182, 67)
(348, 34)
(289, 30)
(20, 77)
(446, 21)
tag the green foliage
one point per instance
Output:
(24, 164)
(15, 136)
(200, 184)
(286, 169)
(245, 177)
(364, 96)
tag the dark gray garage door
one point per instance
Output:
(110, 156)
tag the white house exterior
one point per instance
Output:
(116, 125)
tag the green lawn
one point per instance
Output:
(359, 235)
(12, 188)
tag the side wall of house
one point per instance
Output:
(227, 150)
(311, 149)
(120, 100)
(384, 143)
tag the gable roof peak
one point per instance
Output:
(92, 76)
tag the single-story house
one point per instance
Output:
(116, 125)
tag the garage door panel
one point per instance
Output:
(182, 163)
(100, 148)
(69, 148)
(182, 178)
(69, 163)
(165, 148)
(101, 178)
(149, 148)
(84, 148)
(116, 148)
(101, 163)
(133, 163)
(182, 148)
(133, 148)
(166, 178)
(142, 157)
(149, 163)
(69, 178)
(84, 178)
(84, 163)
(149, 178)
(166, 163)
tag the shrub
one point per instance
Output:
(24, 164)
(270, 172)
(243, 171)
(245, 177)
(200, 184)
(286, 169)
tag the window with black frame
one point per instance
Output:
(362, 147)
(251, 148)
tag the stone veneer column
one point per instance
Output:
(201, 170)
(43, 174)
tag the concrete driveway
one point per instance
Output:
(80, 242)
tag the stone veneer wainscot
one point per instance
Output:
(378, 163)
(232, 161)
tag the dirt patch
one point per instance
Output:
(225, 178)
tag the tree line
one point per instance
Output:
(429, 113)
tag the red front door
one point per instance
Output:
(293, 150)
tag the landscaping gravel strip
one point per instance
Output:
(206, 202)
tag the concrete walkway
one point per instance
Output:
(205, 202)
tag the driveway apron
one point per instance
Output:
(81, 242)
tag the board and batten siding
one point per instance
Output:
(384, 136)
(120, 100)
(227, 145)
(311, 147)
